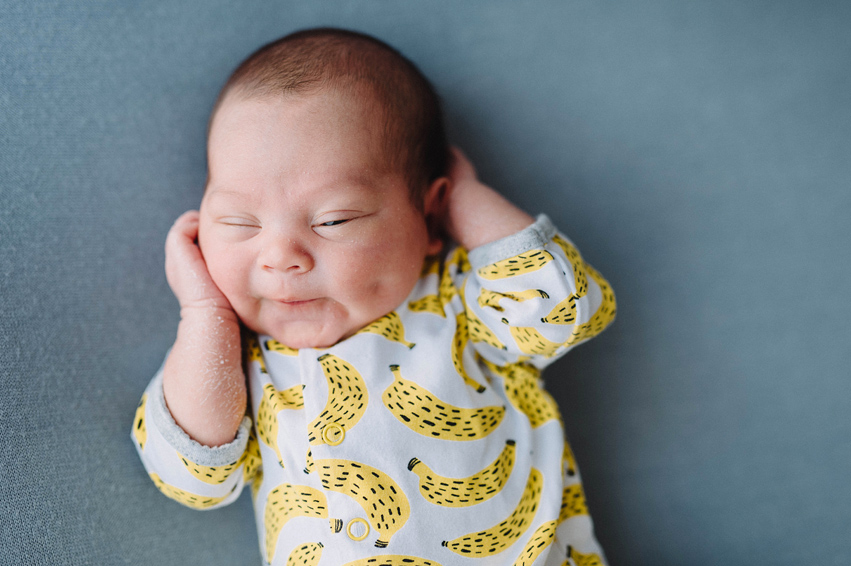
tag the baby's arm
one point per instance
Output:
(528, 294)
(477, 214)
(203, 381)
(190, 429)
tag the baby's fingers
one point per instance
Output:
(185, 227)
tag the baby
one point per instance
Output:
(377, 388)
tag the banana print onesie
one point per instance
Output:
(425, 439)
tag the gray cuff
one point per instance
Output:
(533, 237)
(191, 449)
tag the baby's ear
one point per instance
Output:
(434, 209)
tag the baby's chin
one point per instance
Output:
(307, 336)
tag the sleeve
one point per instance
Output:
(198, 476)
(530, 297)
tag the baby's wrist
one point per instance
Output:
(211, 316)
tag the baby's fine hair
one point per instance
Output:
(356, 64)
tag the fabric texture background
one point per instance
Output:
(698, 151)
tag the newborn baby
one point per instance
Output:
(377, 386)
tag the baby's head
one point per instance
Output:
(327, 157)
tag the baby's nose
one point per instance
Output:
(285, 255)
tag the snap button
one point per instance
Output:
(357, 529)
(333, 434)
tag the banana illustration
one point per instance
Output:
(580, 559)
(530, 341)
(254, 353)
(381, 498)
(275, 346)
(286, 502)
(562, 313)
(602, 318)
(309, 464)
(518, 265)
(428, 303)
(210, 474)
(271, 404)
(459, 342)
(251, 458)
(575, 259)
(389, 326)
(447, 289)
(305, 555)
(478, 330)
(335, 524)
(572, 502)
(488, 298)
(140, 431)
(502, 535)
(392, 560)
(541, 539)
(425, 414)
(568, 462)
(431, 266)
(463, 492)
(347, 397)
(521, 387)
(255, 485)
(189, 499)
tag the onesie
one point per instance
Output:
(426, 438)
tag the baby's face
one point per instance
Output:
(303, 228)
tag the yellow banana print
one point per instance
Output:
(309, 464)
(447, 289)
(502, 535)
(568, 462)
(381, 498)
(210, 474)
(251, 458)
(459, 342)
(521, 387)
(189, 499)
(518, 265)
(271, 404)
(428, 303)
(602, 318)
(463, 492)
(431, 266)
(347, 397)
(140, 430)
(572, 254)
(478, 330)
(389, 326)
(335, 524)
(286, 502)
(275, 346)
(530, 341)
(572, 502)
(541, 539)
(580, 559)
(254, 353)
(562, 313)
(255, 485)
(425, 414)
(488, 298)
(305, 555)
(392, 560)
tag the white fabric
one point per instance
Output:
(380, 439)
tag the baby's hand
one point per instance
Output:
(477, 214)
(185, 268)
(461, 171)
